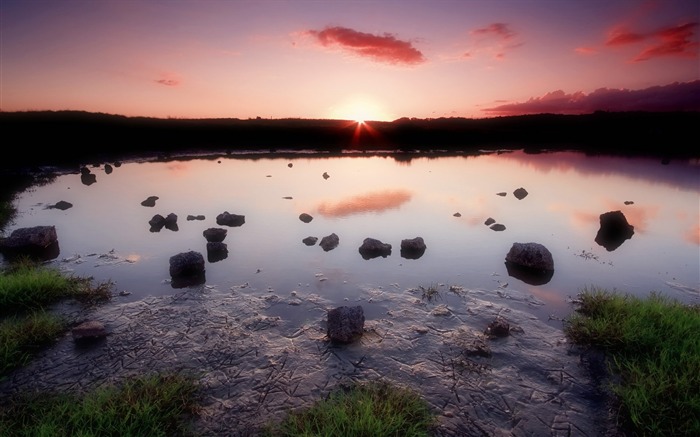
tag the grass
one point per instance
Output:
(653, 345)
(363, 410)
(155, 405)
(26, 291)
(429, 293)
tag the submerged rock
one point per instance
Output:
(499, 327)
(215, 235)
(412, 248)
(90, 330)
(61, 204)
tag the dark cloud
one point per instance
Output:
(383, 48)
(168, 82)
(673, 97)
(668, 41)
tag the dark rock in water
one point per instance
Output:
(520, 193)
(502, 194)
(108, 169)
(629, 202)
(158, 222)
(86, 177)
(614, 230)
(216, 251)
(187, 268)
(62, 205)
(304, 217)
(412, 248)
(150, 201)
(38, 242)
(325, 175)
(329, 242)
(290, 165)
(346, 324)
(456, 215)
(373, 248)
(489, 221)
(532, 263)
(90, 330)
(215, 235)
(227, 219)
(309, 241)
(498, 227)
(499, 327)
(195, 217)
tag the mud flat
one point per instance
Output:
(253, 366)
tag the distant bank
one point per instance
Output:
(64, 137)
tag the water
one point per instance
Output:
(443, 199)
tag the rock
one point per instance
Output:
(532, 263)
(456, 215)
(502, 194)
(412, 248)
(215, 235)
(150, 201)
(629, 202)
(489, 221)
(90, 330)
(86, 177)
(108, 169)
(157, 222)
(325, 175)
(346, 324)
(290, 165)
(329, 242)
(216, 251)
(304, 217)
(39, 242)
(195, 217)
(498, 328)
(373, 248)
(614, 230)
(61, 204)
(187, 266)
(498, 227)
(520, 193)
(227, 219)
(309, 241)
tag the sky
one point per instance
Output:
(350, 60)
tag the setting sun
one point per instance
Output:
(359, 109)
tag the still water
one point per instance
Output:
(446, 200)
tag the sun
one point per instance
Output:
(360, 109)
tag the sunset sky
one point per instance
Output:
(374, 60)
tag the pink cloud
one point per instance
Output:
(382, 48)
(668, 41)
(496, 39)
(376, 202)
(674, 97)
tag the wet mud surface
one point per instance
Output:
(254, 367)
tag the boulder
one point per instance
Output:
(412, 248)
(310, 241)
(346, 324)
(489, 221)
(304, 217)
(191, 217)
(40, 242)
(614, 230)
(532, 263)
(216, 251)
(187, 268)
(90, 330)
(215, 235)
(150, 201)
(228, 219)
(373, 248)
(86, 177)
(520, 193)
(329, 242)
(157, 222)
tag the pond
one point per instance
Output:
(254, 328)
(104, 231)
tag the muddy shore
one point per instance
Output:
(253, 366)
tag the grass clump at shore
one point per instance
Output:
(653, 345)
(26, 290)
(365, 409)
(160, 405)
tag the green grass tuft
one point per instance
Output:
(370, 409)
(21, 338)
(654, 346)
(160, 405)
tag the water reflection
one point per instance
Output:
(444, 201)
